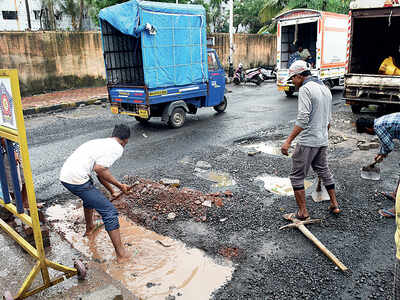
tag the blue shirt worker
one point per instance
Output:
(98, 155)
(312, 125)
(387, 129)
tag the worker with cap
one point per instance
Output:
(311, 128)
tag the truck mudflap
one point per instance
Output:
(366, 88)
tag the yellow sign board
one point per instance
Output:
(12, 129)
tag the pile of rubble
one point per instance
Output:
(165, 198)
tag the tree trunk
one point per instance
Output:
(52, 19)
(81, 10)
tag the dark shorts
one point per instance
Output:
(305, 157)
(94, 199)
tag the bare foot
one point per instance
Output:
(124, 257)
(90, 230)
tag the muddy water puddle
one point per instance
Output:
(160, 266)
(280, 185)
(219, 179)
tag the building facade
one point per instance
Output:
(14, 17)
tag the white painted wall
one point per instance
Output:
(22, 23)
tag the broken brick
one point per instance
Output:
(218, 202)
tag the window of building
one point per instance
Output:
(10, 15)
(58, 16)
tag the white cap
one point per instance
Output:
(298, 67)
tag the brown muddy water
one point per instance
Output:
(160, 266)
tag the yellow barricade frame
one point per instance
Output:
(42, 264)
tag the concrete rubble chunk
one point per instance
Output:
(203, 165)
(170, 182)
(253, 153)
(363, 147)
(207, 203)
(171, 216)
(374, 145)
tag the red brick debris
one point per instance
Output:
(229, 252)
(163, 199)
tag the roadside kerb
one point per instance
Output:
(62, 106)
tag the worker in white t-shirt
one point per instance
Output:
(98, 156)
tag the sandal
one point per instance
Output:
(387, 196)
(294, 216)
(334, 209)
(386, 213)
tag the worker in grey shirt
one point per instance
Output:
(312, 125)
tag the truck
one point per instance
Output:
(324, 34)
(157, 62)
(373, 39)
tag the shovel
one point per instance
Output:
(371, 172)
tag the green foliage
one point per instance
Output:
(273, 8)
(246, 13)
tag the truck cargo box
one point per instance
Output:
(172, 54)
(373, 37)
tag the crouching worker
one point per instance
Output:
(98, 156)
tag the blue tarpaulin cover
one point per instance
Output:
(177, 54)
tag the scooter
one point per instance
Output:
(252, 75)
(268, 72)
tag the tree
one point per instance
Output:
(72, 9)
(47, 12)
(246, 14)
(273, 8)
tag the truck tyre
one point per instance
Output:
(177, 118)
(289, 93)
(356, 108)
(220, 108)
(142, 120)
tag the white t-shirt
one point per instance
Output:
(79, 165)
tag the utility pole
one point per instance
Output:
(177, 1)
(230, 72)
(28, 14)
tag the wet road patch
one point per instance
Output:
(279, 185)
(161, 266)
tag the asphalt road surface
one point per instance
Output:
(270, 264)
(53, 137)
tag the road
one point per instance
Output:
(269, 264)
(52, 137)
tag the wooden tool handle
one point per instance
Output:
(321, 246)
(120, 194)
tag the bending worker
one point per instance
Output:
(98, 156)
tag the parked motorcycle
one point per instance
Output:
(268, 72)
(252, 75)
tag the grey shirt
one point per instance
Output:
(314, 113)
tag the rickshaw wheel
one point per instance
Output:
(7, 296)
(222, 106)
(81, 269)
(177, 118)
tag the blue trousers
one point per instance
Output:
(94, 199)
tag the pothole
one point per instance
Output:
(270, 147)
(221, 180)
(280, 185)
(170, 266)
